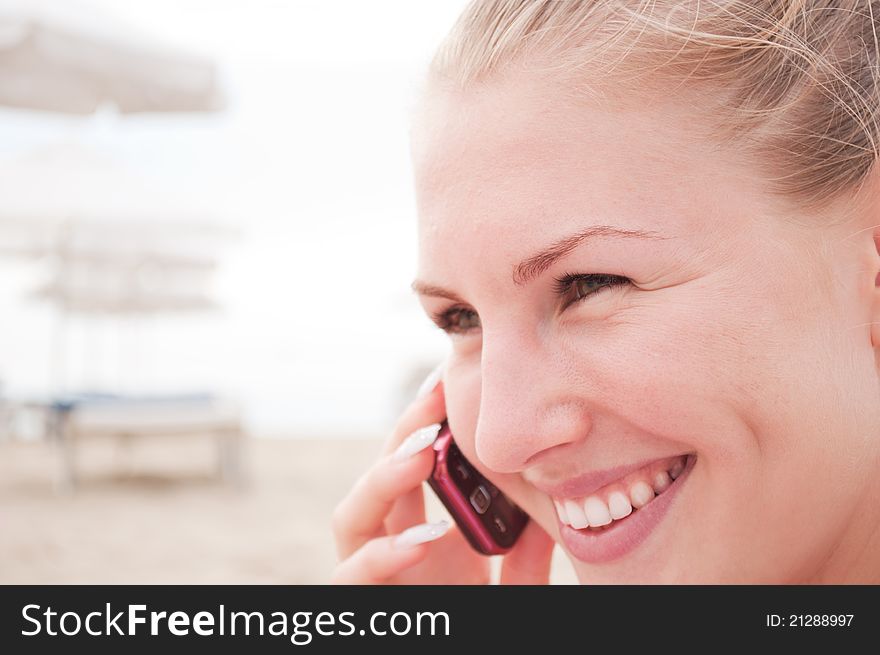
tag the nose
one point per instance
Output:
(529, 403)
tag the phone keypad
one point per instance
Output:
(480, 499)
(501, 518)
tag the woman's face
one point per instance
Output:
(634, 323)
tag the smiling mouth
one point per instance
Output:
(614, 503)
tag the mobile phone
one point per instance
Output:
(489, 520)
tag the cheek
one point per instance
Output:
(754, 389)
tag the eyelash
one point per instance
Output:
(561, 286)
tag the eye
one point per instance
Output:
(574, 287)
(457, 320)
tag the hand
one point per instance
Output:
(380, 530)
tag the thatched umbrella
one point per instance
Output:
(61, 57)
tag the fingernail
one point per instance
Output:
(421, 534)
(417, 441)
(430, 382)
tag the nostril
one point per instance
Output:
(546, 452)
(512, 443)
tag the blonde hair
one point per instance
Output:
(794, 84)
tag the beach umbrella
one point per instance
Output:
(106, 239)
(63, 57)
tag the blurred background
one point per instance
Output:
(207, 235)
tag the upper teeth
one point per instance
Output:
(617, 500)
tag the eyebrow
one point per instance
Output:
(531, 267)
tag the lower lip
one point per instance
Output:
(626, 534)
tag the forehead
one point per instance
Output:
(515, 158)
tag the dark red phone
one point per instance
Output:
(487, 518)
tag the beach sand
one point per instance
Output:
(153, 512)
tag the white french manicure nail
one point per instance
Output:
(421, 534)
(430, 382)
(417, 441)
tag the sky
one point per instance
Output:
(318, 332)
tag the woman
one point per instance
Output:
(651, 232)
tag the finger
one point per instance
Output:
(360, 516)
(380, 559)
(362, 513)
(410, 508)
(528, 562)
(377, 561)
(428, 409)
